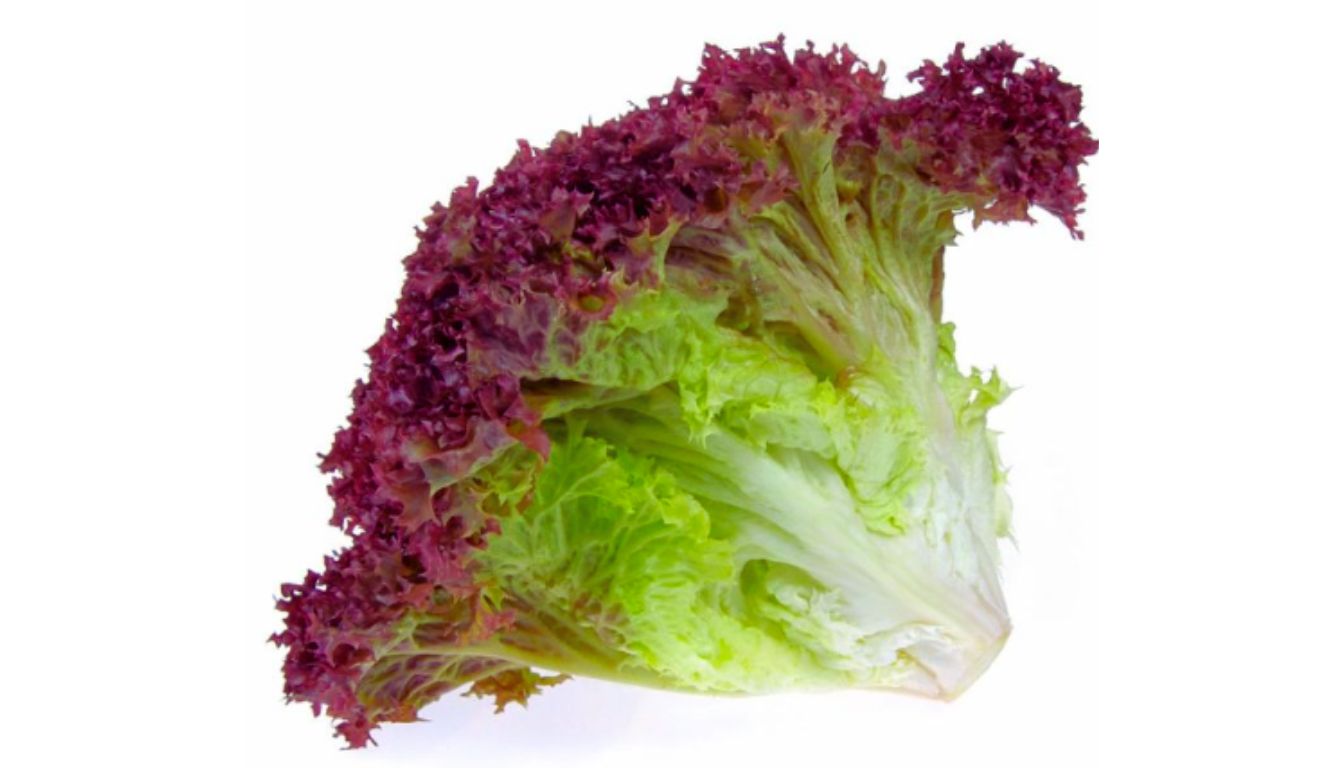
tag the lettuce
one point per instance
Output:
(672, 402)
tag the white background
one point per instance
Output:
(203, 218)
